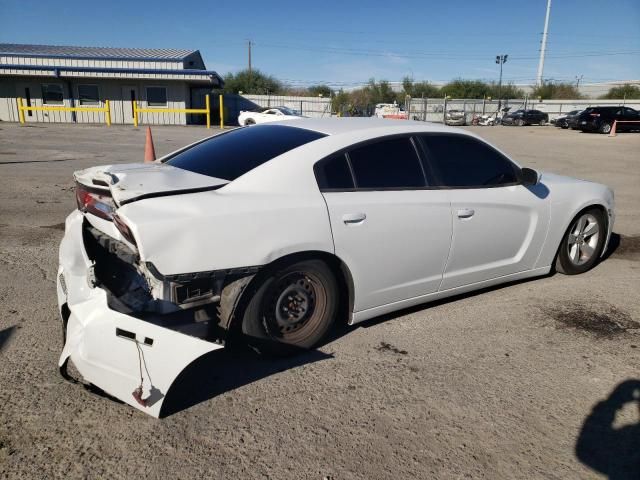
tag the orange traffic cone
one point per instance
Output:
(149, 151)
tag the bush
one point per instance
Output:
(627, 91)
(258, 83)
(556, 91)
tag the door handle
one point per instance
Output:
(466, 212)
(353, 218)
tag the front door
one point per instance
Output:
(392, 232)
(129, 95)
(499, 225)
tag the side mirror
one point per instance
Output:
(529, 176)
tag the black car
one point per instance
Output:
(565, 121)
(600, 119)
(525, 117)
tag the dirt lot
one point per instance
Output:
(496, 385)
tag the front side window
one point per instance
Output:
(234, 153)
(88, 95)
(52, 94)
(461, 161)
(157, 96)
(391, 163)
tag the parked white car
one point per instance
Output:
(269, 232)
(266, 115)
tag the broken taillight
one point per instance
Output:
(123, 229)
(94, 201)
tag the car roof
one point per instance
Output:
(344, 125)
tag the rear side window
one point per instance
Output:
(460, 161)
(234, 153)
(334, 173)
(391, 163)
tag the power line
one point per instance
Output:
(445, 55)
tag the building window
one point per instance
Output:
(52, 94)
(157, 96)
(88, 95)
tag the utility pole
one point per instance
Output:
(250, 76)
(500, 59)
(543, 47)
(578, 79)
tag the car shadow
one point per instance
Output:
(5, 336)
(236, 365)
(605, 448)
(614, 244)
(227, 369)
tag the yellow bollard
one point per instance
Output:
(221, 114)
(107, 113)
(135, 113)
(20, 110)
(206, 99)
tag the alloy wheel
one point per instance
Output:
(582, 240)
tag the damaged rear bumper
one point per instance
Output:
(115, 351)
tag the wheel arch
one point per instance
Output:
(232, 320)
(567, 225)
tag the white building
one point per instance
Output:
(46, 75)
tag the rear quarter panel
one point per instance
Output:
(216, 230)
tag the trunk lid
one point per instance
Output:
(134, 181)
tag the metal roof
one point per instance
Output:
(98, 53)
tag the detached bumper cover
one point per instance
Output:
(110, 349)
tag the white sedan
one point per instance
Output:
(267, 115)
(274, 233)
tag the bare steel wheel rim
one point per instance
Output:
(294, 306)
(582, 240)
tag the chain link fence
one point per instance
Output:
(432, 109)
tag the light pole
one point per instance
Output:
(500, 59)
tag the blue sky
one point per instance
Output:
(345, 43)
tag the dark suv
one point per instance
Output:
(525, 117)
(600, 119)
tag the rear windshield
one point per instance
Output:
(234, 153)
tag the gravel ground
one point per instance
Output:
(499, 384)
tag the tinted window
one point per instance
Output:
(236, 152)
(52, 94)
(157, 96)
(88, 94)
(334, 173)
(390, 163)
(462, 161)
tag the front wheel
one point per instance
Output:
(582, 244)
(292, 309)
(249, 121)
(543, 122)
(520, 122)
(605, 128)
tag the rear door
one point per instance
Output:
(391, 230)
(499, 225)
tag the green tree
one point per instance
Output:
(419, 89)
(460, 88)
(316, 90)
(340, 102)
(556, 91)
(257, 83)
(625, 91)
(507, 91)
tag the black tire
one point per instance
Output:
(605, 128)
(292, 309)
(543, 122)
(564, 127)
(572, 262)
(249, 121)
(520, 122)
